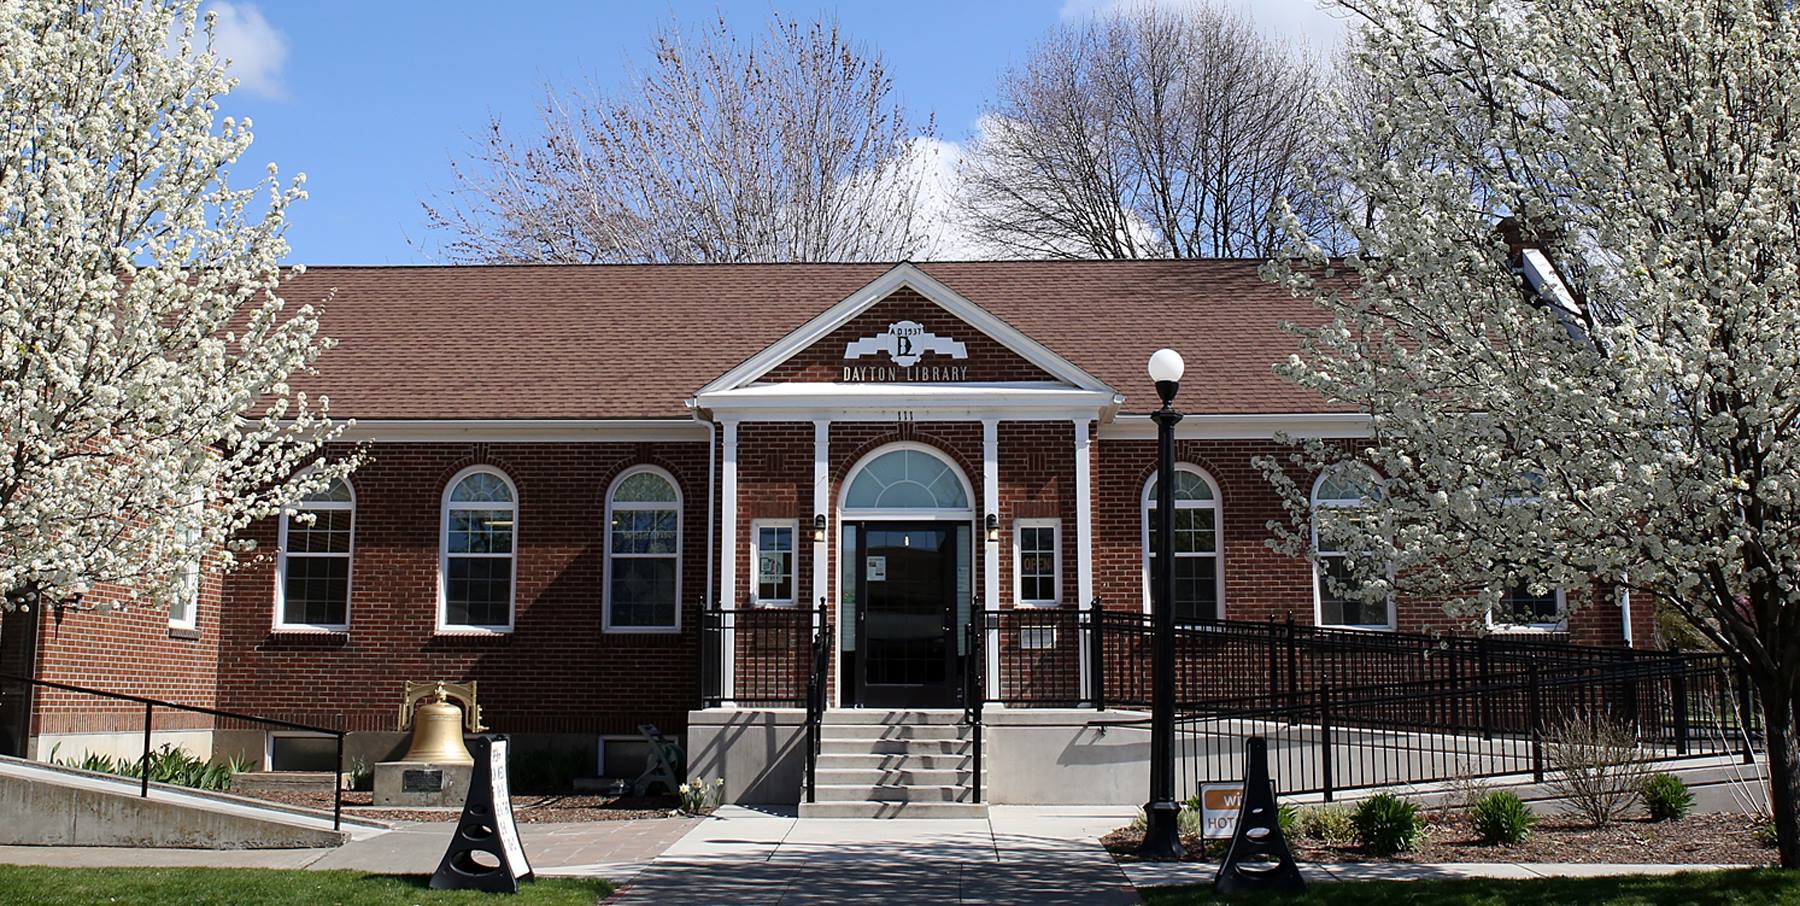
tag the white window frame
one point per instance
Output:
(1317, 557)
(281, 562)
(607, 555)
(444, 627)
(1560, 625)
(1217, 505)
(1515, 497)
(1018, 550)
(756, 527)
(191, 575)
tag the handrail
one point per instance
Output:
(975, 692)
(150, 706)
(818, 668)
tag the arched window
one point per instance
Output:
(1343, 487)
(1199, 579)
(317, 537)
(907, 478)
(479, 537)
(643, 552)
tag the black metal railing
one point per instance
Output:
(757, 656)
(975, 695)
(150, 706)
(1328, 739)
(817, 693)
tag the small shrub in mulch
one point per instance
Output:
(1501, 817)
(1665, 797)
(1694, 840)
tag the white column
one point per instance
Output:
(821, 501)
(728, 546)
(1084, 541)
(990, 564)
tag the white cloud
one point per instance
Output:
(254, 48)
(1319, 24)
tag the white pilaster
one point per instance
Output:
(728, 550)
(1084, 541)
(821, 501)
(990, 564)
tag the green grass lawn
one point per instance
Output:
(1750, 887)
(22, 885)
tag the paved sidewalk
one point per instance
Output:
(615, 850)
(1018, 854)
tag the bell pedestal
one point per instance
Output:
(421, 784)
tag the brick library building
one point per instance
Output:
(733, 501)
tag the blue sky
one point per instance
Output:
(372, 99)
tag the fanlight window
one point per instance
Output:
(907, 479)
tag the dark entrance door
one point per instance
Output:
(906, 583)
(18, 657)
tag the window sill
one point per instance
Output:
(311, 630)
(1037, 605)
(650, 630)
(471, 632)
(1528, 628)
(1355, 627)
(185, 633)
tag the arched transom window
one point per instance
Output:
(480, 528)
(643, 552)
(907, 479)
(1346, 487)
(317, 536)
(1199, 580)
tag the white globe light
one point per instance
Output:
(1166, 365)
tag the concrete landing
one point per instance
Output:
(50, 805)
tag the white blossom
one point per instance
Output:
(145, 415)
(1650, 149)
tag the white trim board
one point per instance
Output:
(1205, 426)
(908, 275)
(526, 430)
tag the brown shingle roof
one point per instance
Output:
(635, 341)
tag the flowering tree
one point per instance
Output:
(788, 146)
(1574, 324)
(145, 414)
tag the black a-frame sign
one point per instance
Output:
(486, 828)
(1259, 860)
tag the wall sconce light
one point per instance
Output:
(993, 528)
(818, 528)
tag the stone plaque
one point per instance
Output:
(422, 781)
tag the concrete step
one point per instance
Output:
(896, 731)
(834, 746)
(936, 716)
(889, 761)
(870, 809)
(884, 792)
(873, 776)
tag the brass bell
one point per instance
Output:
(437, 723)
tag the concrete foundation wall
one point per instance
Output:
(40, 813)
(1041, 756)
(126, 745)
(760, 753)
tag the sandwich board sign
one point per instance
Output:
(486, 828)
(1219, 805)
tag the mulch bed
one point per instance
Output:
(1694, 840)
(528, 808)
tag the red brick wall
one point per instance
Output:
(131, 650)
(987, 361)
(557, 672)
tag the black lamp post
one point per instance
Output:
(1162, 830)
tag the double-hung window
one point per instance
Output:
(772, 552)
(643, 552)
(1199, 583)
(1520, 607)
(184, 609)
(1035, 563)
(317, 536)
(1341, 493)
(480, 525)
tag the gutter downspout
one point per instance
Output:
(1625, 614)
